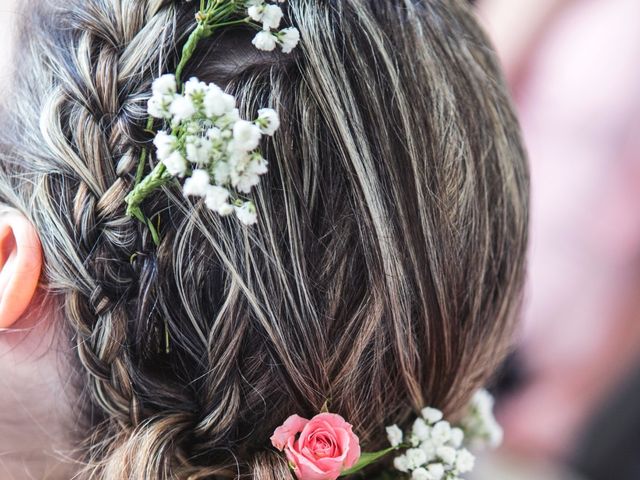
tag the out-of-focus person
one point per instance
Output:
(574, 68)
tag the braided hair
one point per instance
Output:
(385, 271)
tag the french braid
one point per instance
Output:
(384, 273)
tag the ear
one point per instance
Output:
(20, 266)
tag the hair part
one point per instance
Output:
(386, 268)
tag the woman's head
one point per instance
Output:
(385, 268)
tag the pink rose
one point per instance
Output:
(325, 448)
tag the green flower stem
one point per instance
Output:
(189, 48)
(143, 156)
(156, 179)
(366, 459)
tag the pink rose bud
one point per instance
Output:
(325, 447)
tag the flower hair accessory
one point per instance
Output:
(325, 447)
(204, 140)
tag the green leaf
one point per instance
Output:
(366, 459)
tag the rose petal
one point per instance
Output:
(309, 470)
(288, 429)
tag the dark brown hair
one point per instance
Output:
(383, 275)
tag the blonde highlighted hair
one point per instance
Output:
(385, 270)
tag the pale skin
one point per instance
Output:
(34, 416)
(34, 410)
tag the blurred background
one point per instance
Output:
(569, 397)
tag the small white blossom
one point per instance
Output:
(401, 463)
(436, 470)
(480, 424)
(182, 108)
(429, 448)
(226, 209)
(249, 176)
(465, 461)
(197, 184)
(416, 457)
(289, 38)
(246, 135)
(164, 85)
(247, 213)
(216, 197)
(222, 173)
(194, 88)
(431, 415)
(394, 434)
(214, 134)
(158, 107)
(457, 437)
(421, 474)
(217, 102)
(447, 454)
(421, 430)
(268, 121)
(176, 164)
(264, 40)
(165, 144)
(441, 432)
(271, 17)
(198, 150)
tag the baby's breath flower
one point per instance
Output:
(465, 461)
(176, 164)
(441, 432)
(447, 454)
(268, 121)
(217, 102)
(165, 144)
(247, 213)
(216, 197)
(436, 470)
(401, 463)
(289, 38)
(264, 40)
(421, 474)
(394, 434)
(416, 457)
(421, 430)
(457, 437)
(164, 85)
(429, 448)
(197, 184)
(222, 173)
(195, 90)
(246, 136)
(198, 150)
(271, 17)
(182, 108)
(158, 107)
(431, 415)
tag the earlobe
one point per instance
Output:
(20, 266)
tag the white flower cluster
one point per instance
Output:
(210, 144)
(480, 425)
(270, 15)
(435, 450)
